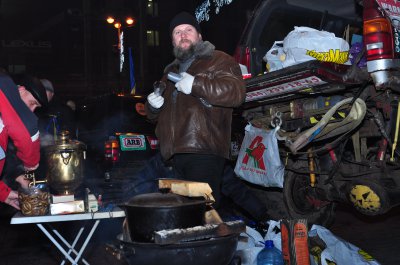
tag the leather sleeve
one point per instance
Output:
(222, 84)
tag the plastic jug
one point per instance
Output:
(269, 255)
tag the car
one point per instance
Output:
(117, 134)
(289, 98)
(376, 21)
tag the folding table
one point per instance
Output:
(69, 249)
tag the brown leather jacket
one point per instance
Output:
(184, 123)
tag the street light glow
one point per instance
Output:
(117, 25)
(110, 20)
(129, 21)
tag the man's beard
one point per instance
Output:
(184, 54)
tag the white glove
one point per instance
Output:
(185, 84)
(155, 101)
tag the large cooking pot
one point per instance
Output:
(65, 164)
(214, 251)
(151, 212)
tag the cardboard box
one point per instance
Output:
(62, 198)
(92, 204)
(294, 235)
(67, 207)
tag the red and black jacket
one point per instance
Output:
(19, 124)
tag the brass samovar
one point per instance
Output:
(65, 164)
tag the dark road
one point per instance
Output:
(25, 244)
(377, 235)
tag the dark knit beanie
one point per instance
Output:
(33, 85)
(184, 18)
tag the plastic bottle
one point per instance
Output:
(269, 255)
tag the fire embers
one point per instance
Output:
(34, 201)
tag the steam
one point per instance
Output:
(46, 140)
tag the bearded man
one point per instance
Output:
(194, 115)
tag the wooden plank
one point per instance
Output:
(192, 189)
(187, 188)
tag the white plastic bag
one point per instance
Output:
(248, 249)
(338, 251)
(275, 57)
(304, 44)
(258, 161)
(274, 233)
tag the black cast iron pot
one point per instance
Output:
(151, 212)
(214, 251)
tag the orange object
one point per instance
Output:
(294, 236)
(300, 236)
(285, 242)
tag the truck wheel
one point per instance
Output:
(303, 203)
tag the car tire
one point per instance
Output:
(301, 203)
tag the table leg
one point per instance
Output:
(87, 240)
(71, 247)
(52, 239)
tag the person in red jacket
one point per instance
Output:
(19, 123)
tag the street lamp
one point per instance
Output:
(129, 22)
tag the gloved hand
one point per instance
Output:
(185, 84)
(155, 101)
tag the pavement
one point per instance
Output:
(379, 236)
(25, 244)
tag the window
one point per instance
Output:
(282, 20)
(152, 8)
(16, 68)
(152, 38)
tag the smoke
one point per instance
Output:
(46, 139)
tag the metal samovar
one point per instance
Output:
(65, 164)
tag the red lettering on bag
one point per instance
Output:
(255, 151)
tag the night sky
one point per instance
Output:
(70, 43)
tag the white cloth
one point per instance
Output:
(155, 101)
(2, 154)
(185, 84)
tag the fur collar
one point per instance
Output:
(203, 50)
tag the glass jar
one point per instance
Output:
(34, 200)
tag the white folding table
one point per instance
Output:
(69, 249)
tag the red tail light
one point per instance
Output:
(243, 56)
(153, 141)
(111, 150)
(378, 33)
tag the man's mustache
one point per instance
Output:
(185, 40)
